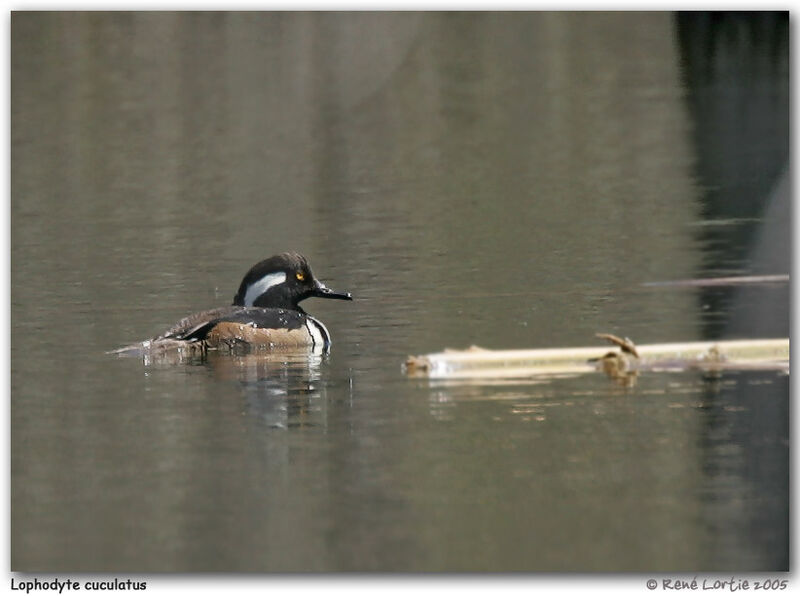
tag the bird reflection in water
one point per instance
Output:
(281, 387)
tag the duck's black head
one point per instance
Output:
(282, 281)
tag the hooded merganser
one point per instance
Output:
(265, 313)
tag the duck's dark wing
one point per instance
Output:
(195, 328)
(198, 325)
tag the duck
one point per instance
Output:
(265, 313)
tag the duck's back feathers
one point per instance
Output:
(235, 326)
(198, 325)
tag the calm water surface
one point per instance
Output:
(503, 180)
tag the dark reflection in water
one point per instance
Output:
(735, 69)
(745, 451)
(509, 180)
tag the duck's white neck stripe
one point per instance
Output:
(262, 285)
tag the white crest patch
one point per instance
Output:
(262, 285)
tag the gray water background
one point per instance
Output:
(508, 180)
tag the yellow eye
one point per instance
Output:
(300, 276)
